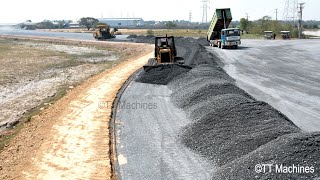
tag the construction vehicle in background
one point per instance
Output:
(219, 35)
(285, 35)
(165, 52)
(103, 32)
(268, 35)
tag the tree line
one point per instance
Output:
(267, 24)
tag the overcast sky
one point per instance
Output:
(13, 11)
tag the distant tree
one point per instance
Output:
(88, 22)
(28, 20)
(46, 24)
(171, 24)
(244, 24)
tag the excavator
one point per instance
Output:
(165, 52)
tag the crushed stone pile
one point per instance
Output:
(300, 151)
(201, 91)
(201, 72)
(162, 74)
(198, 110)
(229, 133)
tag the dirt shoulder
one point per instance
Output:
(70, 138)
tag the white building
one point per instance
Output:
(122, 22)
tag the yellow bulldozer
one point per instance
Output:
(103, 32)
(165, 52)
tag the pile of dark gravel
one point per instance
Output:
(203, 72)
(228, 133)
(162, 74)
(299, 149)
(199, 110)
(201, 91)
(144, 39)
(202, 56)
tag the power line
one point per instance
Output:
(290, 12)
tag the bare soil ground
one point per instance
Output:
(32, 72)
(68, 137)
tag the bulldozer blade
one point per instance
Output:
(148, 67)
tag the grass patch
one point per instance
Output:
(11, 133)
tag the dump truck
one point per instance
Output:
(103, 32)
(219, 35)
(165, 52)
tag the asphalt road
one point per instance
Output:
(81, 36)
(147, 137)
(285, 74)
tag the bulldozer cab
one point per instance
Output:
(165, 53)
(165, 50)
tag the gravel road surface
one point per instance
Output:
(284, 74)
(148, 145)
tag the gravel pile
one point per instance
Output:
(198, 110)
(229, 133)
(299, 149)
(204, 72)
(201, 91)
(202, 56)
(144, 39)
(162, 74)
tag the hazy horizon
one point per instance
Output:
(167, 10)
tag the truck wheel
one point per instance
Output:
(236, 46)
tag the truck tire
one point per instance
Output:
(236, 46)
(219, 45)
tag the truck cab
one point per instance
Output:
(230, 38)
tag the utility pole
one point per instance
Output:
(247, 15)
(300, 8)
(190, 17)
(276, 14)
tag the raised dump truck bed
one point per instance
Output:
(220, 17)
